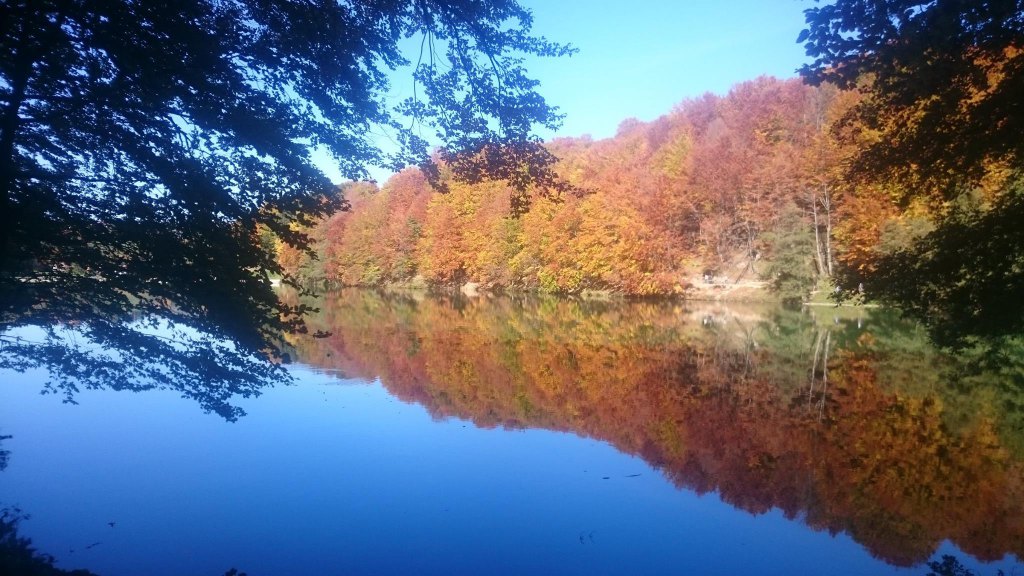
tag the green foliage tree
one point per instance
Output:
(790, 244)
(965, 278)
(143, 143)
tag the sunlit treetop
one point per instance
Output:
(946, 79)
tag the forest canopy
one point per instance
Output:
(940, 125)
(724, 191)
(891, 172)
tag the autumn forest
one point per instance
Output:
(749, 188)
(726, 186)
(778, 328)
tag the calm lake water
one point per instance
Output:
(542, 436)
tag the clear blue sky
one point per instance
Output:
(638, 59)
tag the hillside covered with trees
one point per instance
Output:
(743, 187)
(892, 168)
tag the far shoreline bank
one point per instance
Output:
(742, 293)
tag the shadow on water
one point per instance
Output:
(846, 420)
(17, 556)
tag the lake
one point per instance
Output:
(499, 435)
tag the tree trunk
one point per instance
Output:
(814, 368)
(750, 249)
(817, 236)
(826, 202)
(9, 124)
(824, 375)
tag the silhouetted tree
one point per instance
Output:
(944, 80)
(941, 120)
(141, 143)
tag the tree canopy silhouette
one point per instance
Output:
(142, 143)
(940, 123)
(944, 81)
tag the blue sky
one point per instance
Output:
(638, 59)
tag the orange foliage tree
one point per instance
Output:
(703, 187)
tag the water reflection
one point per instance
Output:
(141, 353)
(18, 556)
(4, 453)
(850, 423)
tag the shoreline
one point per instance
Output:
(745, 293)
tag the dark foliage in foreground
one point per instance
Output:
(943, 82)
(144, 144)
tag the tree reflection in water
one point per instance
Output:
(141, 353)
(852, 425)
(17, 556)
(4, 453)
(951, 566)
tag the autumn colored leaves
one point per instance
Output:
(701, 188)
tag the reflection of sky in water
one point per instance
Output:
(322, 478)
